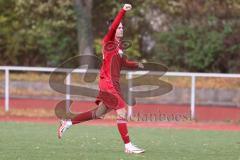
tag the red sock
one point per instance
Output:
(123, 130)
(82, 117)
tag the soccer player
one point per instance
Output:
(110, 97)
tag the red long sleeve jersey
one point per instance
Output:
(113, 58)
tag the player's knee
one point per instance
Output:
(122, 113)
(100, 110)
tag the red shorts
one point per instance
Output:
(110, 95)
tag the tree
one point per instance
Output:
(201, 37)
(37, 32)
(84, 28)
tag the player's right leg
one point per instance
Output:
(82, 117)
(123, 130)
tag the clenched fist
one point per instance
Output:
(127, 7)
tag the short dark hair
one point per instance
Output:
(109, 22)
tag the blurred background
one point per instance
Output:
(184, 35)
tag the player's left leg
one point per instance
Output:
(123, 130)
(96, 113)
(82, 117)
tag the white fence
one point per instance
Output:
(193, 76)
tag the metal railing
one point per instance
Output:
(130, 74)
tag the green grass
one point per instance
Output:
(28, 141)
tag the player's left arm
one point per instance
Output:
(131, 64)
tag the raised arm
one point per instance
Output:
(111, 32)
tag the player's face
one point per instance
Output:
(119, 31)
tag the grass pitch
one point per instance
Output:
(28, 141)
